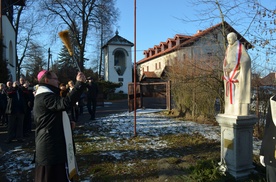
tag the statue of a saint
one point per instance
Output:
(237, 77)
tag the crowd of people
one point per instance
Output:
(46, 106)
(16, 104)
(17, 101)
(88, 98)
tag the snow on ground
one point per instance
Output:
(149, 125)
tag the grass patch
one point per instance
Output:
(181, 157)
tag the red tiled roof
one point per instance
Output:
(157, 46)
(269, 80)
(149, 74)
(170, 40)
(182, 36)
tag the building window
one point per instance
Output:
(11, 57)
(158, 66)
(215, 37)
(209, 56)
(120, 79)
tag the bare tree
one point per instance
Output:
(105, 31)
(196, 81)
(251, 19)
(86, 14)
(36, 61)
(24, 25)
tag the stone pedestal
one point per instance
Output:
(237, 144)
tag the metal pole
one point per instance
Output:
(101, 55)
(134, 68)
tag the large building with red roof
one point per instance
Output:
(203, 46)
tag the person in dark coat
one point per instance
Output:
(3, 104)
(268, 150)
(16, 108)
(63, 90)
(51, 162)
(8, 87)
(27, 126)
(74, 112)
(92, 94)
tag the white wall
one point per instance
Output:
(9, 42)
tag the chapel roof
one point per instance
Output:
(118, 40)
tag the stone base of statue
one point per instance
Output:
(237, 144)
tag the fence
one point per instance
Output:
(155, 95)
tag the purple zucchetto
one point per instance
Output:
(40, 74)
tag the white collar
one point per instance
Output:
(273, 110)
(43, 89)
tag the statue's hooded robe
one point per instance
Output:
(238, 60)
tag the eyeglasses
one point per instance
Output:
(54, 78)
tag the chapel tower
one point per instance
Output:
(118, 61)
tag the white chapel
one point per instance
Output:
(118, 62)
